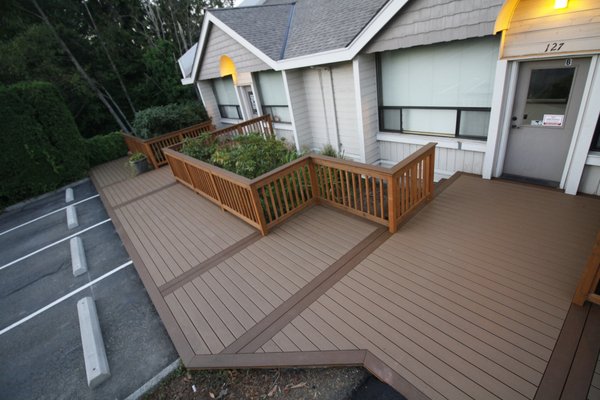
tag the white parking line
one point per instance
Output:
(45, 215)
(55, 302)
(52, 244)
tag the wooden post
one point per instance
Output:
(392, 208)
(314, 183)
(431, 162)
(150, 154)
(270, 122)
(590, 275)
(258, 211)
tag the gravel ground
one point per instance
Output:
(289, 384)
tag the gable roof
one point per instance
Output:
(300, 33)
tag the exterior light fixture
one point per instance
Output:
(559, 4)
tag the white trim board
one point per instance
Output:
(593, 158)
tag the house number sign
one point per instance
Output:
(555, 46)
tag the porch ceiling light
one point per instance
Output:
(559, 4)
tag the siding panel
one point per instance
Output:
(432, 21)
(210, 101)
(345, 104)
(218, 44)
(447, 161)
(535, 23)
(367, 73)
(299, 107)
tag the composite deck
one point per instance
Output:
(467, 300)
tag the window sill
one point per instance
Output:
(443, 142)
(593, 158)
(285, 126)
(231, 121)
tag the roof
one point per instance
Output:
(287, 34)
(300, 28)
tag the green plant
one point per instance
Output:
(137, 156)
(155, 121)
(253, 155)
(41, 146)
(104, 148)
(329, 151)
(201, 147)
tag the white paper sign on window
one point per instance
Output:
(553, 120)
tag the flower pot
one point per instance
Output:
(139, 166)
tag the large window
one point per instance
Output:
(272, 95)
(441, 89)
(226, 98)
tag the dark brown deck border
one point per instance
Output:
(125, 203)
(584, 363)
(175, 333)
(276, 320)
(558, 368)
(209, 263)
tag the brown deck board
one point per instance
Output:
(468, 300)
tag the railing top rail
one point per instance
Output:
(223, 173)
(202, 124)
(412, 158)
(241, 124)
(349, 163)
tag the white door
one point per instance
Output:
(545, 108)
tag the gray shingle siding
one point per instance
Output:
(367, 72)
(219, 43)
(423, 22)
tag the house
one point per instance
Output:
(506, 88)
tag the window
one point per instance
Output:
(226, 98)
(272, 96)
(596, 140)
(443, 90)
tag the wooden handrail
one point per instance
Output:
(152, 147)
(589, 279)
(383, 195)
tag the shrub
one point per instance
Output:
(329, 151)
(41, 146)
(104, 148)
(201, 147)
(156, 121)
(253, 155)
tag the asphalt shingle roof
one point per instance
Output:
(310, 26)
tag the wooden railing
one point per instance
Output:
(262, 125)
(586, 289)
(383, 195)
(152, 147)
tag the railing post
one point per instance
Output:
(430, 161)
(258, 211)
(314, 183)
(589, 276)
(270, 122)
(150, 154)
(393, 211)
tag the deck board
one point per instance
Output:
(467, 300)
(471, 313)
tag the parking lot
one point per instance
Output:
(41, 353)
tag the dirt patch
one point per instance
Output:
(289, 384)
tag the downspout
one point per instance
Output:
(335, 118)
(324, 104)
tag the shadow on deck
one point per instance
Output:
(468, 299)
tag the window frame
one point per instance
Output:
(221, 106)
(264, 107)
(595, 145)
(458, 110)
(456, 134)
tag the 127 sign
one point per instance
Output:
(550, 47)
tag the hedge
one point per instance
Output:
(104, 148)
(41, 146)
(155, 121)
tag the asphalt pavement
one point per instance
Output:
(41, 354)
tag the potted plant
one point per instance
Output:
(138, 162)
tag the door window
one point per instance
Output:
(548, 95)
